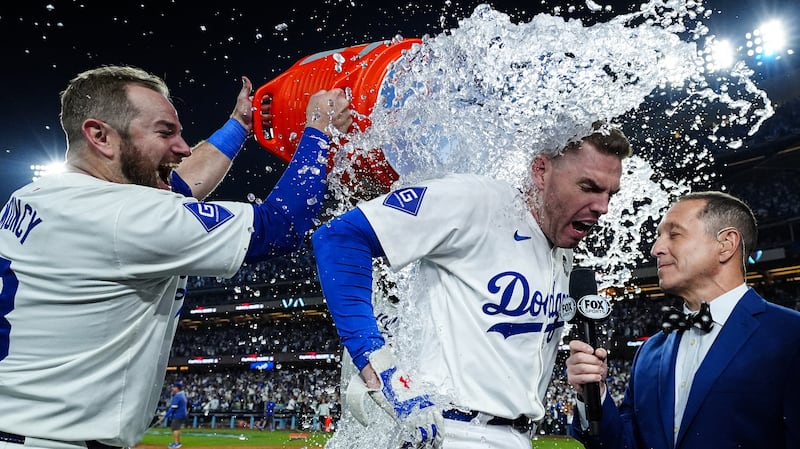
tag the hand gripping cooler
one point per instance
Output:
(362, 68)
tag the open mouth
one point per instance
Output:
(583, 226)
(165, 173)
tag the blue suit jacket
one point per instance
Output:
(744, 395)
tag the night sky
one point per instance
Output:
(201, 51)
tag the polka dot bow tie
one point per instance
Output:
(675, 319)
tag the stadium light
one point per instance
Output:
(40, 170)
(768, 42)
(773, 37)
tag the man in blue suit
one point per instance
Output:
(733, 384)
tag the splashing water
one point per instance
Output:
(488, 96)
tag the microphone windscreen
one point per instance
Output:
(582, 282)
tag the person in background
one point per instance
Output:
(495, 263)
(176, 414)
(324, 414)
(100, 253)
(723, 371)
(267, 421)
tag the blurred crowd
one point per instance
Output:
(297, 392)
(785, 123)
(258, 334)
(774, 199)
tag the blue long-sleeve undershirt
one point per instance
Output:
(344, 249)
(281, 222)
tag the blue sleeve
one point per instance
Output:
(344, 249)
(178, 185)
(173, 407)
(281, 222)
(617, 424)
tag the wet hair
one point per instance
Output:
(723, 211)
(607, 139)
(101, 93)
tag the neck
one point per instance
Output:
(711, 291)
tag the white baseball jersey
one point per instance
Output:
(491, 284)
(98, 264)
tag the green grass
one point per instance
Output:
(556, 442)
(211, 438)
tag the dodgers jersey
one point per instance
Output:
(100, 264)
(492, 286)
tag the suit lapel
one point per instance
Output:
(666, 382)
(737, 330)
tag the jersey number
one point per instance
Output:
(8, 290)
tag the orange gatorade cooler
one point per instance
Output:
(361, 68)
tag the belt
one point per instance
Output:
(522, 423)
(19, 439)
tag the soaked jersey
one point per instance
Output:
(99, 263)
(488, 290)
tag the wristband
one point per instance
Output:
(230, 138)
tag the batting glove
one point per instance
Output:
(410, 408)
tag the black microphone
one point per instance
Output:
(590, 308)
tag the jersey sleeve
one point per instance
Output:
(283, 219)
(174, 235)
(441, 218)
(344, 250)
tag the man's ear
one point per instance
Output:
(539, 166)
(730, 241)
(100, 137)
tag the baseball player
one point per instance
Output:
(176, 413)
(91, 259)
(493, 265)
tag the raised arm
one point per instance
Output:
(288, 213)
(201, 173)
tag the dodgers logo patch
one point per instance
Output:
(407, 200)
(211, 216)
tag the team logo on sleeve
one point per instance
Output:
(211, 216)
(407, 200)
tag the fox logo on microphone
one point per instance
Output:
(594, 307)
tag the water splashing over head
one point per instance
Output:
(490, 95)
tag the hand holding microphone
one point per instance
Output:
(585, 361)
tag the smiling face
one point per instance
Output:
(687, 254)
(572, 191)
(153, 145)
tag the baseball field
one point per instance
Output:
(254, 439)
